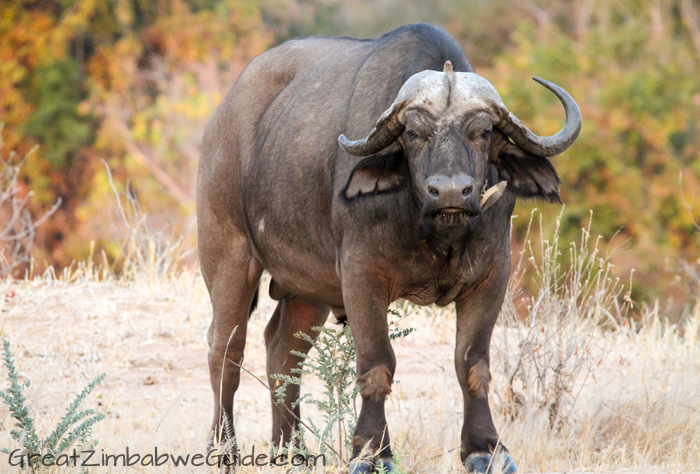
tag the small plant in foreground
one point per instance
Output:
(74, 428)
(396, 332)
(398, 455)
(334, 365)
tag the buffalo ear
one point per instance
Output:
(528, 175)
(377, 174)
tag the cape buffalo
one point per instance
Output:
(418, 209)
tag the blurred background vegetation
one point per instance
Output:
(132, 82)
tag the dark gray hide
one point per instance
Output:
(399, 213)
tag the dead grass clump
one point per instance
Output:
(582, 386)
(17, 228)
(150, 256)
(547, 338)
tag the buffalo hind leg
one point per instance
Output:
(232, 277)
(476, 316)
(291, 316)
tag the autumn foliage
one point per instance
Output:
(129, 82)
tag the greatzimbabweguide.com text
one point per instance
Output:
(92, 458)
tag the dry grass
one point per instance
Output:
(577, 386)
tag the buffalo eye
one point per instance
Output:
(411, 135)
(486, 134)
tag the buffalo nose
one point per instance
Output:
(450, 190)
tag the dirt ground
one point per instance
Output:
(150, 339)
(152, 345)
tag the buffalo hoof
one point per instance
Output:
(388, 465)
(366, 467)
(479, 463)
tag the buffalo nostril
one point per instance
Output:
(433, 191)
(466, 191)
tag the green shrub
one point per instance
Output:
(334, 366)
(75, 428)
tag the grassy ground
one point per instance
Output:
(577, 387)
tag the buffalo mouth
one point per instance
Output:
(454, 215)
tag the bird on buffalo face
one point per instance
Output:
(417, 207)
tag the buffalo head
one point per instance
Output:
(441, 135)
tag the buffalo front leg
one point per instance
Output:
(477, 311)
(291, 316)
(366, 306)
(231, 276)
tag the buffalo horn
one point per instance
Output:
(388, 127)
(543, 146)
